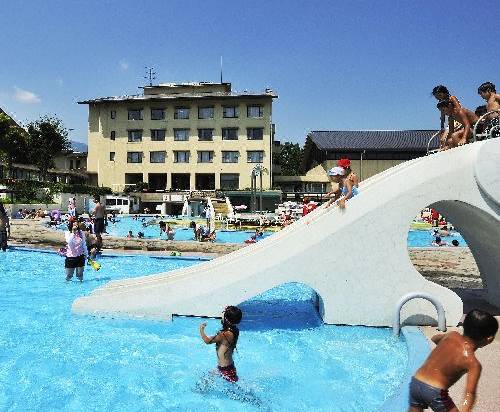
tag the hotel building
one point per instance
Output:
(179, 137)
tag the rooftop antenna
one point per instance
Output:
(150, 74)
(221, 69)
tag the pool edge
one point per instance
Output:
(418, 350)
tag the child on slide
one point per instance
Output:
(225, 342)
(441, 93)
(346, 187)
(345, 164)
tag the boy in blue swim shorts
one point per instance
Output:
(453, 357)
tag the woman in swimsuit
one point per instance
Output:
(225, 342)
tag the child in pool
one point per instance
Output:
(225, 342)
(453, 357)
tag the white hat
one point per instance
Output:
(336, 171)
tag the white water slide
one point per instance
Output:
(356, 260)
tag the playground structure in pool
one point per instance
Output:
(355, 259)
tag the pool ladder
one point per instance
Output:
(396, 328)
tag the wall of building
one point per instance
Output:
(112, 173)
(369, 168)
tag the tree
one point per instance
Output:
(12, 142)
(47, 138)
(290, 158)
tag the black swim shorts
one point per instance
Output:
(425, 396)
(98, 225)
(74, 262)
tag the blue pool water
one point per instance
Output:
(416, 238)
(124, 224)
(424, 238)
(287, 359)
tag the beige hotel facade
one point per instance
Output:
(177, 137)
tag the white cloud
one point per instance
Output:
(60, 81)
(124, 65)
(25, 96)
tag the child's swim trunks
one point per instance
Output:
(427, 396)
(228, 373)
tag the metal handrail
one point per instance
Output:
(396, 328)
(482, 119)
(431, 139)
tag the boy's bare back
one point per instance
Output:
(453, 356)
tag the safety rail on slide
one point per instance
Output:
(396, 328)
(475, 134)
(489, 133)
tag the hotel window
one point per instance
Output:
(157, 135)
(181, 156)
(205, 156)
(112, 135)
(255, 133)
(181, 135)
(229, 181)
(205, 134)
(230, 156)
(255, 156)
(113, 114)
(206, 112)
(135, 114)
(181, 112)
(135, 136)
(157, 114)
(255, 111)
(229, 133)
(157, 157)
(111, 156)
(230, 111)
(134, 157)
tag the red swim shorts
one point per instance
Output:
(228, 373)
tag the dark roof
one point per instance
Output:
(162, 97)
(374, 140)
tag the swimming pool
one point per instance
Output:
(124, 224)
(424, 238)
(416, 238)
(287, 359)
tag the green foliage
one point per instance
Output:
(31, 191)
(13, 143)
(139, 187)
(290, 159)
(47, 138)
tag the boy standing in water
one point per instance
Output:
(225, 342)
(453, 357)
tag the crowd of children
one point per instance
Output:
(461, 121)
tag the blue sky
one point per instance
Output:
(335, 64)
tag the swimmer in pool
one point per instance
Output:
(225, 342)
